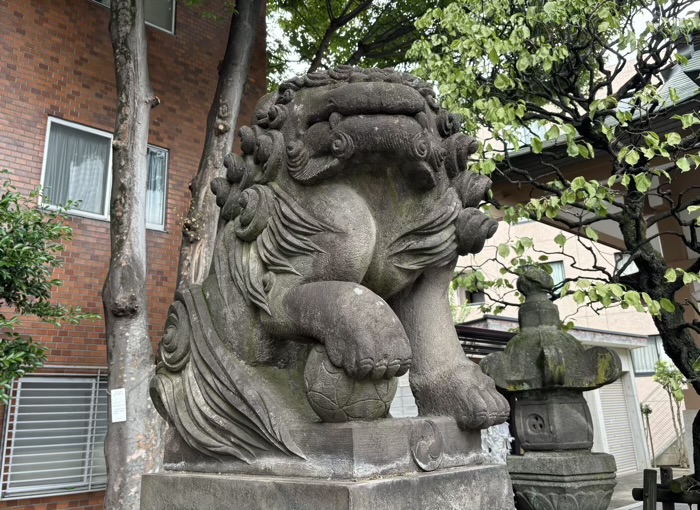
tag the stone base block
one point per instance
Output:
(346, 451)
(575, 480)
(485, 487)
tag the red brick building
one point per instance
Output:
(57, 109)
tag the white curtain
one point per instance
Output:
(558, 273)
(160, 13)
(76, 168)
(155, 190)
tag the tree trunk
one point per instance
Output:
(683, 454)
(132, 447)
(199, 228)
(680, 346)
(679, 439)
(651, 442)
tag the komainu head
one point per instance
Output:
(347, 121)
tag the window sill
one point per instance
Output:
(92, 216)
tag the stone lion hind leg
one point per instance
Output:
(444, 382)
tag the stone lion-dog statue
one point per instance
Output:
(342, 224)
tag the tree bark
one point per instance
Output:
(132, 447)
(651, 441)
(199, 228)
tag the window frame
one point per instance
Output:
(655, 345)
(11, 417)
(108, 184)
(551, 263)
(98, 2)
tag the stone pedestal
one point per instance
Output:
(394, 464)
(475, 488)
(574, 480)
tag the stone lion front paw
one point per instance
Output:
(465, 393)
(370, 341)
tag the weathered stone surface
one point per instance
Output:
(349, 450)
(541, 355)
(343, 222)
(344, 218)
(480, 487)
(553, 420)
(546, 371)
(562, 480)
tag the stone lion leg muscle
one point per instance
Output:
(443, 381)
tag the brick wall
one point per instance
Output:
(56, 60)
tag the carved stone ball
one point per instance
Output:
(336, 398)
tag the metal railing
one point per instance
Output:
(53, 435)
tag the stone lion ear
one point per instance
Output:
(473, 228)
(448, 124)
(471, 188)
(236, 168)
(247, 135)
(458, 147)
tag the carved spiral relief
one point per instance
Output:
(256, 209)
(277, 114)
(426, 445)
(448, 124)
(420, 146)
(472, 229)
(297, 156)
(175, 344)
(459, 147)
(342, 145)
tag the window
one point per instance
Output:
(644, 359)
(622, 261)
(462, 297)
(472, 298)
(53, 439)
(77, 163)
(558, 274)
(159, 13)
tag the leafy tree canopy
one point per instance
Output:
(556, 83)
(320, 34)
(576, 79)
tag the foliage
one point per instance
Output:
(461, 311)
(320, 34)
(556, 83)
(671, 379)
(30, 243)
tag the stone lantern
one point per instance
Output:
(545, 372)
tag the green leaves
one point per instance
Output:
(536, 145)
(30, 244)
(591, 234)
(673, 139)
(684, 164)
(670, 379)
(503, 250)
(632, 158)
(18, 356)
(502, 82)
(670, 275)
